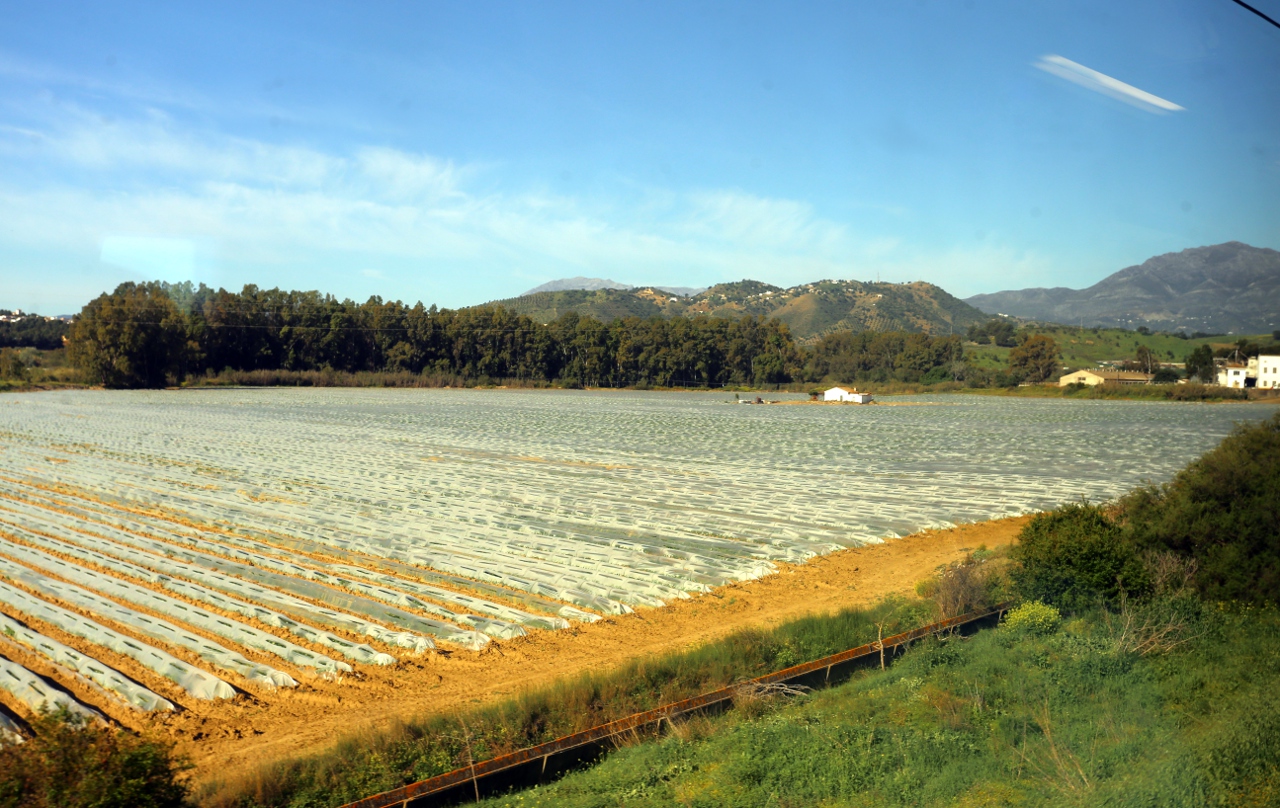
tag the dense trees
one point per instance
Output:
(884, 356)
(1200, 365)
(997, 331)
(151, 334)
(1035, 360)
(31, 331)
(133, 337)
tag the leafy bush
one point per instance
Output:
(1076, 556)
(1222, 511)
(11, 365)
(71, 763)
(1033, 617)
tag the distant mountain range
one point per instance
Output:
(592, 284)
(1226, 288)
(810, 310)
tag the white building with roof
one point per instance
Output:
(841, 394)
(1268, 371)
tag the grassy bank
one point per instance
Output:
(1039, 715)
(381, 760)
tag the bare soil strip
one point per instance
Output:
(288, 723)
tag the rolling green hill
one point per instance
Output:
(810, 310)
(1086, 347)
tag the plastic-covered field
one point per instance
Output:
(222, 539)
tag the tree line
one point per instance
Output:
(154, 334)
(32, 331)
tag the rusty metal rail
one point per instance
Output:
(544, 762)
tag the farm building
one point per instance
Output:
(1096, 377)
(1268, 372)
(841, 394)
(1237, 375)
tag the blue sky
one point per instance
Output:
(461, 152)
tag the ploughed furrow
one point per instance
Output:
(162, 630)
(99, 673)
(36, 693)
(494, 619)
(297, 607)
(198, 683)
(172, 607)
(358, 652)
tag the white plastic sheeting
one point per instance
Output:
(154, 627)
(198, 683)
(97, 672)
(301, 609)
(172, 607)
(560, 504)
(260, 554)
(356, 651)
(9, 729)
(34, 692)
(300, 586)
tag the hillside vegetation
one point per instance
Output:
(809, 310)
(1086, 347)
(1228, 287)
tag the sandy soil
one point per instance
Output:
(266, 727)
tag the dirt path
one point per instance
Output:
(290, 723)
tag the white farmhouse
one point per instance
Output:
(1233, 375)
(1268, 372)
(841, 394)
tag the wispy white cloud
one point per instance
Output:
(1088, 78)
(158, 198)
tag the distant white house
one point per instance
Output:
(841, 394)
(1235, 375)
(1268, 372)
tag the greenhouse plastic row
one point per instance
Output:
(163, 630)
(102, 675)
(413, 515)
(9, 729)
(217, 543)
(36, 694)
(297, 586)
(198, 683)
(172, 607)
(358, 652)
(300, 609)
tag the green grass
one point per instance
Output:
(1001, 719)
(45, 370)
(1085, 348)
(371, 763)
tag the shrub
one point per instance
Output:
(961, 588)
(1074, 557)
(11, 365)
(1033, 617)
(1222, 511)
(71, 763)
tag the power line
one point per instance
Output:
(1245, 5)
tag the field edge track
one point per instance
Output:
(537, 764)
